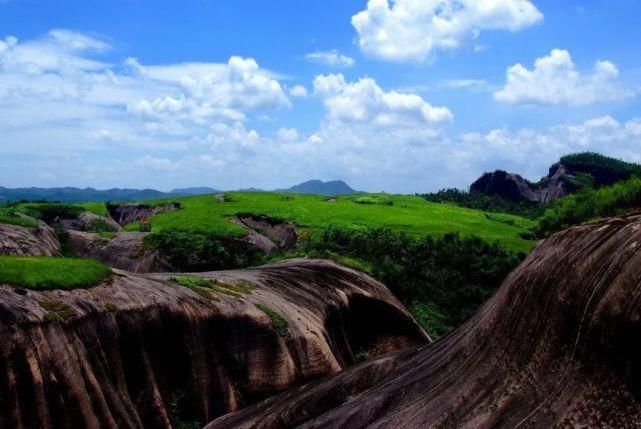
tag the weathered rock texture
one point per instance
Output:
(125, 251)
(557, 346)
(140, 351)
(269, 235)
(129, 213)
(87, 221)
(21, 241)
(562, 179)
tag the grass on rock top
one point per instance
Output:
(409, 214)
(45, 273)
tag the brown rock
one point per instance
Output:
(557, 346)
(86, 220)
(21, 241)
(139, 351)
(129, 213)
(125, 251)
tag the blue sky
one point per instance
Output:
(403, 96)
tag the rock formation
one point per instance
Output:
(511, 187)
(281, 235)
(557, 346)
(125, 251)
(22, 241)
(87, 221)
(129, 213)
(140, 351)
(564, 177)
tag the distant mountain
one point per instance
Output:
(70, 195)
(335, 187)
(194, 191)
(569, 175)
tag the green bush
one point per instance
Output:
(50, 212)
(100, 226)
(201, 251)
(488, 203)
(443, 280)
(590, 204)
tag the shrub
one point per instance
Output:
(444, 280)
(50, 212)
(100, 226)
(201, 251)
(590, 204)
(488, 203)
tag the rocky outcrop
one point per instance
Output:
(88, 221)
(565, 177)
(125, 251)
(140, 351)
(557, 346)
(129, 213)
(22, 241)
(511, 187)
(269, 235)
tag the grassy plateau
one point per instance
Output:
(412, 215)
(45, 273)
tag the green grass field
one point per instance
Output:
(409, 214)
(44, 273)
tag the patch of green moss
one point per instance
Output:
(280, 324)
(205, 287)
(111, 307)
(56, 310)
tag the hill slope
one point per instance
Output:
(412, 215)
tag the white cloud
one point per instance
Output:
(298, 91)
(472, 84)
(412, 30)
(530, 152)
(365, 102)
(287, 135)
(331, 58)
(161, 164)
(555, 80)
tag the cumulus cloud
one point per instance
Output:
(412, 30)
(331, 58)
(365, 102)
(298, 91)
(555, 80)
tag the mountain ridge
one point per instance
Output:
(70, 194)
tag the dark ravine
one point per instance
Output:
(139, 351)
(557, 346)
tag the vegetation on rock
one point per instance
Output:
(42, 273)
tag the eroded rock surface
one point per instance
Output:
(279, 235)
(88, 221)
(125, 251)
(129, 213)
(557, 346)
(140, 351)
(22, 241)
